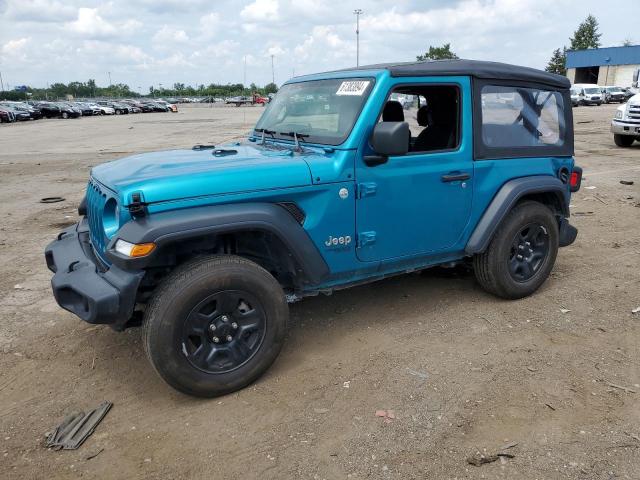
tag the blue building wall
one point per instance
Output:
(604, 56)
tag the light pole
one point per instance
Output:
(1, 83)
(357, 12)
(109, 73)
(244, 73)
(273, 75)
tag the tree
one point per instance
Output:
(627, 42)
(587, 35)
(270, 88)
(438, 53)
(558, 61)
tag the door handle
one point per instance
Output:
(455, 177)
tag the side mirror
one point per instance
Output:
(389, 139)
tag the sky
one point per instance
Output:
(146, 43)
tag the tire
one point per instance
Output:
(623, 140)
(65, 115)
(248, 311)
(494, 267)
(117, 112)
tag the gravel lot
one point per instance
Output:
(461, 369)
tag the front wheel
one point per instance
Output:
(623, 140)
(65, 115)
(521, 254)
(215, 325)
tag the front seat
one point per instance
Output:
(393, 112)
(439, 134)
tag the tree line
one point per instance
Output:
(89, 89)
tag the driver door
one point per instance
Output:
(419, 203)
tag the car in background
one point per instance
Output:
(118, 109)
(49, 109)
(34, 113)
(575, 96)
(67, 110)
(625, 125)
(19, 114)
(157, 106)
(104, 109)
(171, 106)
(589, 94)
(6, 115)
(613, 94)
(85, 108)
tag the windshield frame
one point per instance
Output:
(316, 140)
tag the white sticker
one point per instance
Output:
(354, 87)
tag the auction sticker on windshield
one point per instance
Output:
(353, 87)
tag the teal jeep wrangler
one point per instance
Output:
(348, 177)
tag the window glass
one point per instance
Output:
(521, 117)
(432, 112)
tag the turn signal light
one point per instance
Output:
(134, 250)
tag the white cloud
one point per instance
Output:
(168, 35)
(16, 49)
(261, 11)
(90, 23)
(45, 11)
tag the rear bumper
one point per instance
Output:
(623, 128)
(83, 286)
(568, 233)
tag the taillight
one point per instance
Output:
(575, 179)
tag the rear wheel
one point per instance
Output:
(215, 325)
(521, 254)
(65, 115)
(623, 140)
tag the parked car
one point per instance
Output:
(104, 109)
(85, 108)
(171, 107)
(49, 109)
(589, 94)
(239, 100)
(34, 113)
(118, 108)
(6, 115)
(613, 94)
(625, 126)
(19, 114)
(575, 96)
(205, 247)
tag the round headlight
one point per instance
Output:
(111, 217)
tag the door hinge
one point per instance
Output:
(367, 189)
(366, 238)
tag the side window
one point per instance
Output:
(432, 112)
(515, 117)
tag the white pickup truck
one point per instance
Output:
(626, 123)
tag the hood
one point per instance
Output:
(635, 100)
(175, 174)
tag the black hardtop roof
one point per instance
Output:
(475, 68)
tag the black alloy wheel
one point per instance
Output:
(529, 250)
(223, 331)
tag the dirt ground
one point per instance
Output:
(460, 369)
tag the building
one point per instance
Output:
(604, 66)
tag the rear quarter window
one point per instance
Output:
(521, 119)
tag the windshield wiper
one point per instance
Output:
(264, 132)
(296, 138)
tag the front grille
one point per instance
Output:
(96, 199)
(634, 112)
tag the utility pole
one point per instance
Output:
(109, 73)
(357, 12)
(273, 75)
(1, 83)
(244, 74)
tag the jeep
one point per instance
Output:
(337, 185)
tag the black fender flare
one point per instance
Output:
(166, 228)
(506, 198)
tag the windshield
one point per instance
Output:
(592, 90)
(615, 89)
(322, 111)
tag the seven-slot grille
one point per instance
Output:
(96, 199)
(633, 114)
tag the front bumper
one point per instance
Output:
(83, 286)
(620, 127)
